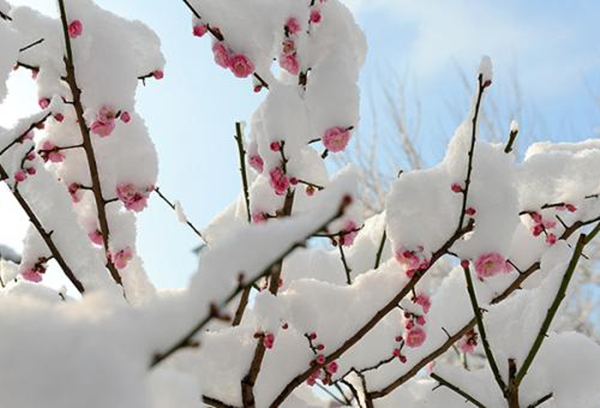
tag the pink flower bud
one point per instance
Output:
(125, 117)
(199, 30)
(315, 16)
(470, 211)
(44, 103)
(20, 176)
(75, 29)
(551, 239)
(158, 74)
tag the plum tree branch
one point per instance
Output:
(457, 390)
(87, 143)
(560, 295)
(481, 327)
(172, 205)
(46, 236)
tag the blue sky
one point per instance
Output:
(552, 46)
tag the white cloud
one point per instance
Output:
(547, 44)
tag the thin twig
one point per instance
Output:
(345, 263)
(482, 333)
(457, 390)
(381, 247)
(172, 205)
(465, 191)
(19, 139)
(46, 236)
(33, 44)
(560, 295)
(540, 401)
(239, 138)
(511, 140)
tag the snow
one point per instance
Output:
(63, 349)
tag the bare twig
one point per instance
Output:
(481, 327)
(457, 390)
(46, 236)
(172, 205)
(537, 343)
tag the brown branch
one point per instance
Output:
(345, 263)
(560, 295)
(512, 137)
(33, 44)
(540, 401)
(21, 137)
(46, 236)
(239, 138)
(482, 333)
(465, 189)
(249, 380)
(462, 393)
(87, 142)
(380, 249)
(213, 402)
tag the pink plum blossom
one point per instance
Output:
(456, 188)
(268, 340)
(315, 16)
(105, 122)
(292, 25)
(123, 257)
(158, 74)
(51, 153)
(44, 103)
(221, 54)
(199, 30)
(132, 197)
(74, 189)
(125, 117)
(20, 176)
(332, 367)
(32, 276)
(349, 233)
(259, 217)
(415, 337)
(336, 139)
(75, 29)
(96, 237)
(424, 301)
(241, 66)
(491, 264)
(257, 163)
(279, 181)
(290, 64)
